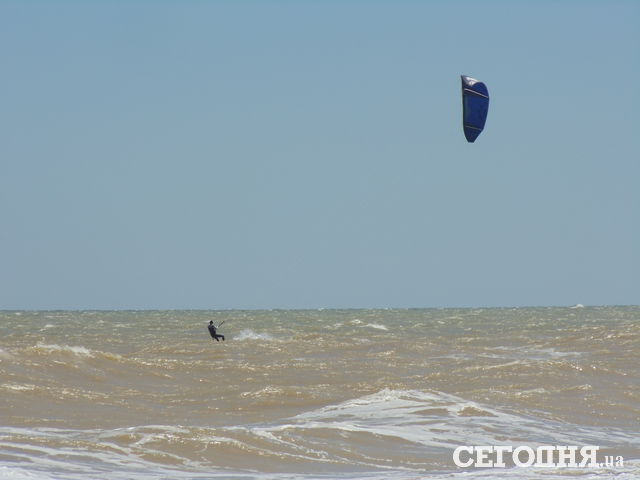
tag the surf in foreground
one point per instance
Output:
(314, 394)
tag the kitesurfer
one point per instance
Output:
(213, 332)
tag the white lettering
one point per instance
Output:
(456, 456)
(530, 453)
(500, 449)
(540, 451)
(487, 456)
(567, 456)
(589, 454)
(482, 456)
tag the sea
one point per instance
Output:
(316, 394)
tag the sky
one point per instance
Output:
(300, 154)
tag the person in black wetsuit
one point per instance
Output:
(213, 332)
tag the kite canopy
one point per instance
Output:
(475, 105)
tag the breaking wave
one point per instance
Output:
(248, 334)
(351, 438)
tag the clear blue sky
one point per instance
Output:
(298, 154)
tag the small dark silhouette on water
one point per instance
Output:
(213, 332)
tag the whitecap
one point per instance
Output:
(75, 350)
(377, 326)
(268, 391)
(4, 355)
(19, 387)
(16, 473)
(248, 334)
(440, 420)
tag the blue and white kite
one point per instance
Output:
(475, 105)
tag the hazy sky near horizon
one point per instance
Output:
(281, 154)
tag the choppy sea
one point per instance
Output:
(322, 394)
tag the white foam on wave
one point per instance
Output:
(631, 471)
(4, 355)
(248, 334)
(16, 387)
(427, 425)
(126, 453)
(530, 353)
(84, 454)
(17, 473)
(75, 350)
(377, 326)
(439, 420)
